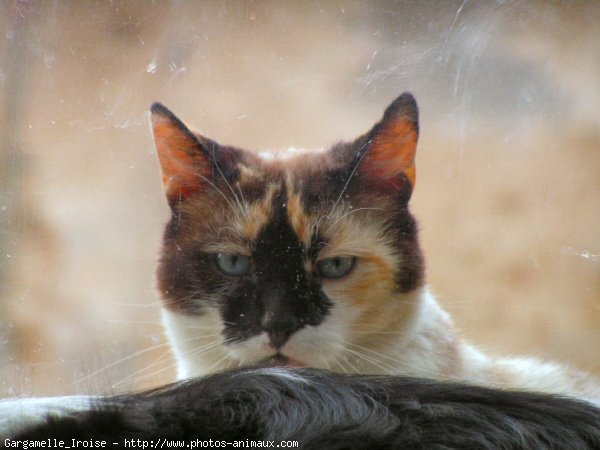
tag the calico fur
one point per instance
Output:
(325, 410)
(288, 212)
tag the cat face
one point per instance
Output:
(294, 257)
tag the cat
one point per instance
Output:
(312, 259)
(317, 409)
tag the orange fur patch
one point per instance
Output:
(298, 220)
(371, 281)
(371, 286)
(392, 152)
(257, 215)
(181, 160)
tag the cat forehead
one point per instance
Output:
(238, 225)
(300, 184)
(293, 169)
(289, 153)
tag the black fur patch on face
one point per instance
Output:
(186, 274)
(323, 189)
(412, 271)
(280, 297)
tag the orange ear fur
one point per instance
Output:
(394, 143)
(181, 157)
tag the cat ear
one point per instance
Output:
(184, 162)
(391, 146)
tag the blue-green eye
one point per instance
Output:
(335, 267)
(233, 264)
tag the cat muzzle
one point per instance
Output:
(280, 360)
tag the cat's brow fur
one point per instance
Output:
(287, 211)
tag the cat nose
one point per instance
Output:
(279, 329)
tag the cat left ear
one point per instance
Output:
(391, 145)
(183, 160)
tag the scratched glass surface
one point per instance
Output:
(507, 193)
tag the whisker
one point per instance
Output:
(245, 202)
(227, 181)
(216, 364)
(132, 376)
(138, 353)
(379, 332)
(336, 362)
(233, 208)
(324, 361)
(113, 364)
(352, 366)
(383, 366)
(375, 353)
(145, 376)
(353, 211)
(317, 226)
(351, 174)
(144, 322)
(397, 360)
(342, 362)
(194, 353)
(338, 355)
(202, 327)
(138, 305)
(191, 295)
(200, 349)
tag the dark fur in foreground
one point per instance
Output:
(324, 410)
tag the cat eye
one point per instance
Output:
(233, 264)
(335, 267)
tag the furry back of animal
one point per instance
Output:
(316, 410)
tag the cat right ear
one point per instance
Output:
(185, 164)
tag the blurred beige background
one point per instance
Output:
(508, 185)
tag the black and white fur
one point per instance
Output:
(320, 410)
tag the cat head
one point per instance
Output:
(302, 256)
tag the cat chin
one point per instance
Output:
(281, 361)
(257, 351)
